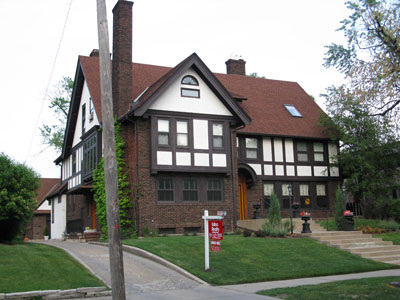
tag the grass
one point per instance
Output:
(244, 260)
(360, 289)
(390, 236)
(358, 222)
(31, 267)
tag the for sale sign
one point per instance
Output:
(215, 231)
(215, 246)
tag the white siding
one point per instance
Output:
(183, 159)
(321, 171)
(290, 171)
(201, 160)
(256, 168)
(85, 99)
(208, 103)
(267, 149)
(332, 151)
(60, 217)
(289, 150)
(219, 160)
(268, 170)
(164, 158)
(279, 171)
(304, 171)
(278, 150)
(200, 134)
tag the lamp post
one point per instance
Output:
(290, 190)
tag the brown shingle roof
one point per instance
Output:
(264, 104)
(46, 184)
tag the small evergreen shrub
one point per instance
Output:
(246, 233)
(339, 209)
(273, 225)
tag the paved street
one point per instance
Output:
(145, 279)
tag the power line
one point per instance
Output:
(48, 83)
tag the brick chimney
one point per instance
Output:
(122, 57)
(236, 66)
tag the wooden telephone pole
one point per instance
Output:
(110, 161)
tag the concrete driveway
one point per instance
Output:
(146, 279)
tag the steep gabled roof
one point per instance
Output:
(46, 184)
(192, 61)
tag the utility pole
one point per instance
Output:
(110, 161)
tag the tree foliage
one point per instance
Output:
(371, 58)
(363, 112)
(18, 186)
(339, 209)
(53, 135)
(125, 204)
(369, 153)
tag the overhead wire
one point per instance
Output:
(48, 82)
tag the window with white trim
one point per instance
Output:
(305, 200)
(302, 151)
(251, 147)
(163, 132)
(218, 135)
(322, 199)
(182, 134)
(318, 151)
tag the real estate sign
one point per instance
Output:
(215, 230)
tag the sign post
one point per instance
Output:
(213, 230)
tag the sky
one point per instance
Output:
(41, 41)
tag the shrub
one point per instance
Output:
(388, 225)
(246, 233)
(339, 209)
(279, 230)
(393, 209)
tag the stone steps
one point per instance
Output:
(361, 244)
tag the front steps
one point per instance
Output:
(256, 224)
(361, 244)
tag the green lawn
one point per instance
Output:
(244, 260)
(32, 267)
(360, 289)
(390, 236)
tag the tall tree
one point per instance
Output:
(368, 155)
(18, 186)
(371, 59)
(53, 135)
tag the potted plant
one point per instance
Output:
(46, 233)
(305, 216)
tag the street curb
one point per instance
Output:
(157, 259)
(88, 292)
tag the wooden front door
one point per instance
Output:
(243, 198)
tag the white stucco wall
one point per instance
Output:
(208, 103)
(60, 217)
(278, 150)
(85, 99)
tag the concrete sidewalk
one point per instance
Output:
(258, 286)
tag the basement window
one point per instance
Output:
(293, 110)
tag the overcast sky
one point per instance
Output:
(278, 39)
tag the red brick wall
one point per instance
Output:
(153, 215)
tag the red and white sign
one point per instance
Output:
(215, 231)
(215, 246)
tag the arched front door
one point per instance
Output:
(243, 198)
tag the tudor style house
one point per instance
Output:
(195, 140)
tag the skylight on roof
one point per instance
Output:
(293, 110)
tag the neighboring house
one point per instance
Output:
(195, 140)
(36, 227)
